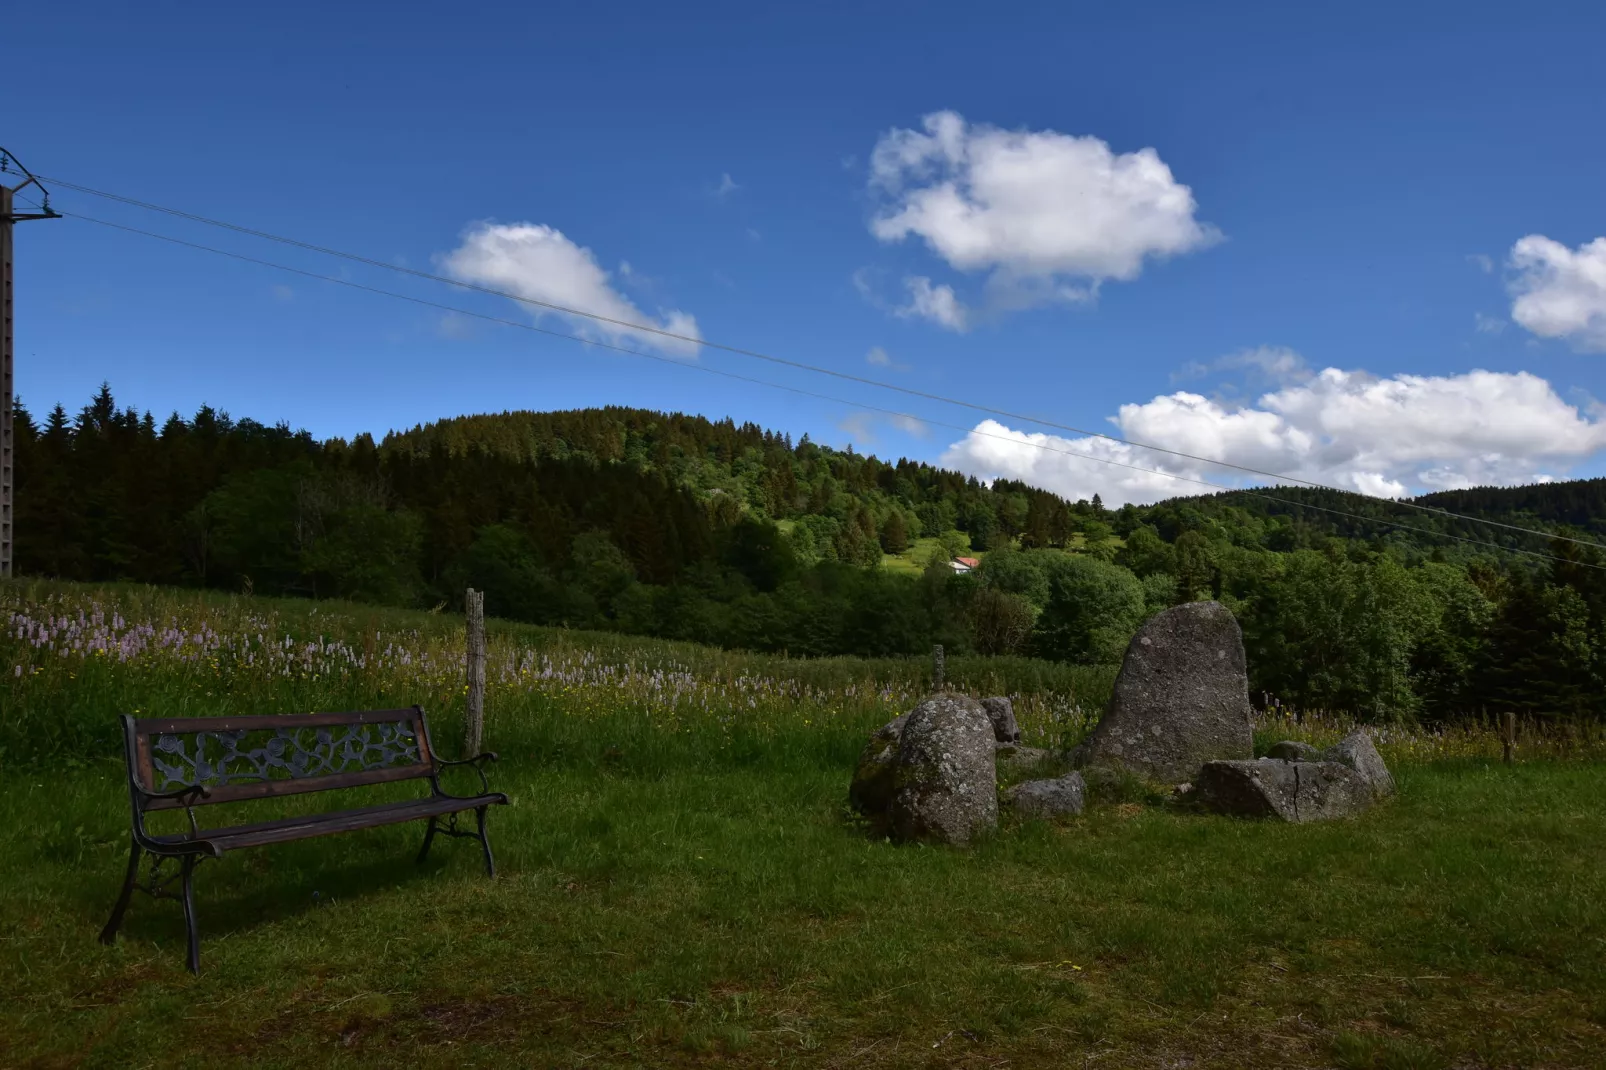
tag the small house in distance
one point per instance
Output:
(965, 564)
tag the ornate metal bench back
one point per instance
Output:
(255, 757)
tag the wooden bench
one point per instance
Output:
(188, 762)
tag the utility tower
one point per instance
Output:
(9, 216)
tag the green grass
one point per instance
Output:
(917, 557)
(680, 886)
(737, 917)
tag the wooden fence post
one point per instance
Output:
(1508, 734)
(937, 668)
(474, 714)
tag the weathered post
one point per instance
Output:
(474, 714)
(937, 668)
(1508, 735)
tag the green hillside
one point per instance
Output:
(728, 534)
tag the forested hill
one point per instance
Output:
(831, 497)
(1575, 507)
(726, 533)
(763, 469)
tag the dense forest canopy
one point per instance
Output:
(682, 527)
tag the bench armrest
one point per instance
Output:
(477, 763)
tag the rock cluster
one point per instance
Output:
(1292, 750)
(1061, 797)
(944, 776)
(932, 774)
(1002, 712)
(1179, 715)
(1182, 698)
(1341, 781)
(871, 790)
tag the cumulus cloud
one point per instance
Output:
(937, 303)
(539, 263)
(1560, 292)
(1390, 437)
(1047, 215)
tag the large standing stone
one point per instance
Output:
(871, 790)
(1357, 751)
(1272, 787)
(1061, 797)
(1182, 698)
(1002, 712)
(945, 776)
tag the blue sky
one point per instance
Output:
(1340, 218)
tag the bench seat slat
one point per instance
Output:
(285, 830)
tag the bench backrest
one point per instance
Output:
(284, 754)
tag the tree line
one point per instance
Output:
(714, 532)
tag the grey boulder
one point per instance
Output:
(1002, 712)
(1292, 750)
(945, 773)
(1357, 751)
(1016, 758)
(1061, 797)
(1272, 787)
(871, 791)
(1182, 698)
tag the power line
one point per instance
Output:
(813, 394)
(816, 369)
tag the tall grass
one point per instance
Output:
(79, 656)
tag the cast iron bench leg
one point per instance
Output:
(189, 914)
(429, 838)
(490, 864)
(109, 933)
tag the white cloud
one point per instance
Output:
(910, 425)
(726, 187)
(1390, 437)
(880, 358)
(1048, 215)
(859, 427)
(1263, 365)
(936, 303)
(1482, 262)
(1560, 292)
(538, 263)
(1488, 324)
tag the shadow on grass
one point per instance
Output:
(257, 893)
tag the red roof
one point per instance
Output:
(971, 562)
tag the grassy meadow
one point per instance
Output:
(680, 884)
